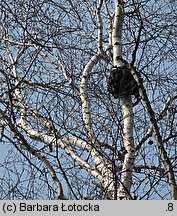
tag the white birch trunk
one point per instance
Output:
(126, 172)
(127, 108)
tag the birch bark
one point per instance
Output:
(127, 108)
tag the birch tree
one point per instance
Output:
(65, 136)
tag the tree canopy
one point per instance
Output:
(62, 132)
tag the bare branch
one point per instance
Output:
(167, 163)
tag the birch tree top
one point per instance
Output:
(62, 134)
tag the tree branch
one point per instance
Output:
(167, 163)
(138, 37)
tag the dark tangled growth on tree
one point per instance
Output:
(121, 82)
